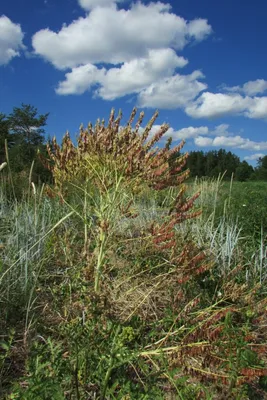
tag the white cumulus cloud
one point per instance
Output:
(138, 74)
(110, 35)
(172, 92)
(234, 141)
(250, 88)
(80, 79)
(220, 130)
(202, 141)
(131, 77)
(90, 4)
(199, 29)
(218, 136)
(187, 133)
(11, 40)
(255, 156)
(210, 105)
(213, 105)
(113, 52)
(194, 132)
(258, 108)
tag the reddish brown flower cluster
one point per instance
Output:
(210, 350)
(130, 148)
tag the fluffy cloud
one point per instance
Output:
(233, 141)
(258, 108)
(245, 103)
(250, 88)
(138, 74)
(11, 37)
(116, 52)
(187, 133)
(131, 77)
(219, 136)
(220, 130)
(109, 35)
(255, 156)
(151, 78)
(212, 105)
(197, 132)
(172, 92)
(90, 4)
(203, 141)
(80, 79)
(199, 29)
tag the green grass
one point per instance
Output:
(249, 205)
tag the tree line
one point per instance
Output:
(23, 130)
(213, 163)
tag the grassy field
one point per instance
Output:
(109, 292)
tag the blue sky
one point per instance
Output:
(201, 63)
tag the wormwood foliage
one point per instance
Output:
(110, 165)
(130, 150)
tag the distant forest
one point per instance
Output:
(213, 163)
(23, 131)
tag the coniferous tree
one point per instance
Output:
(244, 171)
(261, 170)
(213, 163)
(26, 127)
(24, 132)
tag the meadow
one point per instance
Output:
(126, 280)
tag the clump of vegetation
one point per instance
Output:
(125, 294)
(110, 167)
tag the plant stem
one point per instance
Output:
(76, 375)
(110, 364)
(100, 258)
(85, 223)
(9, 171)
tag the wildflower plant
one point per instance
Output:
(109, 166)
